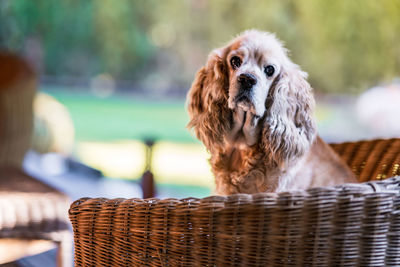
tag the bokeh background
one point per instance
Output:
(115, 73)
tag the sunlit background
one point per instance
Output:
(116, 73)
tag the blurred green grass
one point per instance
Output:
(121, 117)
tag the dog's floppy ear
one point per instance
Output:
(289, 125)
(207, 100)
(195, 95)
(200, 94)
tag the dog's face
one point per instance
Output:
(254, 61)
(250, 93)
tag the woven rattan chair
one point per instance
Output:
(348, 225)
(29, 209)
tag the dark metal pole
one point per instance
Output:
(147, 181)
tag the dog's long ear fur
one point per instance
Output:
(207, 101)
(289, 128)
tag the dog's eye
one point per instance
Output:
(269, 70)
(236, 62)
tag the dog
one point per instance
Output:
(252, 107)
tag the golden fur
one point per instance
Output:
(261, 139)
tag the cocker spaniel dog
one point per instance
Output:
(252, 108)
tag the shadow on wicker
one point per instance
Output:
(348, 225)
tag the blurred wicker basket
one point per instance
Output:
(348, 225)
(17, 89)
(29, 209)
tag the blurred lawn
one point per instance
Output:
(109, 133)
(174, 163)
(121, 118)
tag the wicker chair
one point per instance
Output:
(29, 209)
(347, 225)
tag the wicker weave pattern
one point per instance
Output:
(348, 225)
(341, 226)
(40, 216)
(372, 160)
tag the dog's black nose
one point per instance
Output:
(247, 80)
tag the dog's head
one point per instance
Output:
(253, 74)
(254, 61)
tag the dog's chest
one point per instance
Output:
(236, 161)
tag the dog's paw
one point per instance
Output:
(239, 117)
(245, 128)
(251, 129)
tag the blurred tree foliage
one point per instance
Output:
(79, 37)
(346, 46)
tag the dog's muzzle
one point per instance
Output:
(246, 81)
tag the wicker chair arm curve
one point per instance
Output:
(342, 225)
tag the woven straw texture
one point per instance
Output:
(347, 225)
(30, 209)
